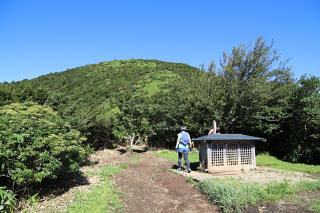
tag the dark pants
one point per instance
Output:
(185, 156)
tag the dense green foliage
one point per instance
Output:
(7, 200)
(36, 145)
(145, 101)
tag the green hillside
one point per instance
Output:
(145, 101)
(101, 99)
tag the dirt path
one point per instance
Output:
(148, 186)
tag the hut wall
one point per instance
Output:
(203, 158)
(227, 155)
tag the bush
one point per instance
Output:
(36, 144)
(7, 200)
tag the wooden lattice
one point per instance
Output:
(227, 154)
(245, 154)
(232, 154)
(217, 154)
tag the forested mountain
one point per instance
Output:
(145, 101)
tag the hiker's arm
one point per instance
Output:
(177, 142)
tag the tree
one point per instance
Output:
(302, 126)
(251, 82)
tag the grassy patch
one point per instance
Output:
(135, 159)
(315, 205)
(233, 196)
(269, 161)
(102, 198)
(173, 156)
(153, 83)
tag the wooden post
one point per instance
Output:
(239, 154)
(209, 156)
(214, 127)
(224, 154)
(253, 155)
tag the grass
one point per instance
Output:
(173, 156)
(102, 198)
(135, 159)
(267, 160)
(234, 196)
(264, 160)
(315, 205)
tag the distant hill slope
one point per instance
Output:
(99, 98)
(136, 101)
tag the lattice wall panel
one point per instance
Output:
(217, 154)
(246, 154)
(232, 154)
(220, 155)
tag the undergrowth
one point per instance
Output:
(7, 200)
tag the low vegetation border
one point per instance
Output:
(233, 195)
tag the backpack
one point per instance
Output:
(184, 138)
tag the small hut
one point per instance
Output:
(227, 152)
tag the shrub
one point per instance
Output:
(36, 144)
(7, 200)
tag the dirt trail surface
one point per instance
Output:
(149, 186)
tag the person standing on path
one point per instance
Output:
(182, 147)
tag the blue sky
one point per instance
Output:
(39, 37)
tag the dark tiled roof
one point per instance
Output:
(228, 137)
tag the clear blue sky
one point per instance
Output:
(39, 36)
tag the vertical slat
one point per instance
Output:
(253, 155)
(209, 156)
(239, 154)
(200, 153)
(224, 154)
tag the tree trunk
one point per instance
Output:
(132, 139)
